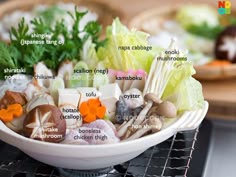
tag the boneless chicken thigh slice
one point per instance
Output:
(103, 125)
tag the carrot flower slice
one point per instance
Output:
(92, 110)
(101, 111)
(94, 102)
(84, 109)
(16, 109)
(12, 111)
(89, 118)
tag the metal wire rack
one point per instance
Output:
(168, 159)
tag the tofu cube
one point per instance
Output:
(110, 94)
(87, 93)
(68, 96)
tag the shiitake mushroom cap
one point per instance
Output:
(229, 31)
(53, 120)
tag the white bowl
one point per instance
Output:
(85, 157)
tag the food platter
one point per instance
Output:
(93, 157)
(151, 20)
(106, 13)
(69, 92)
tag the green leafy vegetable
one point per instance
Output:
(180, 87)
(60, 44)
(186, 95)
(232, 20)
(205, 30)
(183, 90)
(51, 13)
(93, 29)
(113, 56)
(88, 54)
(80, 78)
(206, 24)
(5, 57)
(5, 60)
(171, 79)
(179, 72)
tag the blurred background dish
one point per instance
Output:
(199, 34)
(11, 12)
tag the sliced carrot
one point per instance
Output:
(94, 102)
(84, 109)
(5, 115)
(91, 110)
(15, 109)
(101, 111)
(89, 118)
(219, 63)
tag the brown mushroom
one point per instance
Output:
(154, 124)
(123, 130)
(225, 46)
(151, 99)
(44, 123)
(166, 109)
(131, 129)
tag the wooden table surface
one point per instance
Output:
(220, 94)
(132, 7)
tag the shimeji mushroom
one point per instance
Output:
(154, 124)
(150, 98)
(225, 45)
(155, 120)
(135, 101)
(165, 109)
(123, 129)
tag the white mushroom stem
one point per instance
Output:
(160, 72)
(128, 133)
(154, 124)
(143, 113)
(131, 129)
(120, 126)
(150, 76)
(121, 132)
(144, 123)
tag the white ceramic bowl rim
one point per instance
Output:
(178, 125)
